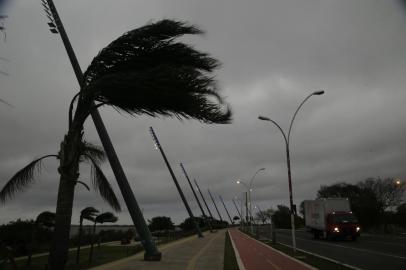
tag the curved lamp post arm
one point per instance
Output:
(276, 124)
(321, 92)
(252, 179)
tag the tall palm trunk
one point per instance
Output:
(69, 173)
(79, 240)
(92, 243)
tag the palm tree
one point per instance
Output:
(88, 213)
(44, 219)
(102, 218)
(145, 71)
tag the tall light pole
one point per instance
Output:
(197, 199)
(249, 188)
(204, 200)
(292, 214)
(182, 196)
(215, 206)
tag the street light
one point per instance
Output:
(249, 187)
(292, 216)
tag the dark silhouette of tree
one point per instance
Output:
(160, 224)
(45, 219)
(102, 218)
(89, 213)
(145, 71)
(368, 199)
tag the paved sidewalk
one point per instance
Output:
(188, 253)
(255, 255)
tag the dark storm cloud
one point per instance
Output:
(274, 53)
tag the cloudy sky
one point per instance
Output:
(273, 54)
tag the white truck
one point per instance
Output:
(331, 218)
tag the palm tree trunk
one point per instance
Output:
(91, 245)
(69, 173)
(33, 234)
(79, 240)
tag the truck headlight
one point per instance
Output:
(358, 228)
(336, 229)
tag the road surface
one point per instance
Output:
(370, 252)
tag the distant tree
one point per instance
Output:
(401, 215)
(388, 192)
(236, 218)
(188, 224)
(363, 201)
(281, 218)
(160, 223)
(102, 218)
(88, 213)
(17, 235)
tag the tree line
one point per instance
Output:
(378, 203)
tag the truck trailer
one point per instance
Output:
(331, 218)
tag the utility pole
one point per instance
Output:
(197, 199)
(151, 251)
(228, 214)
(215, 206)
(204, 200)
(182, 196)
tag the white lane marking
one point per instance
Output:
(357, 249)
(385, 243)
(273, 265)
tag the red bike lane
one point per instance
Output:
(255, 255)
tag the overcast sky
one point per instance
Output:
(273, 54)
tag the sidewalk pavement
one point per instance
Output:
(252, 254)
(187, 253)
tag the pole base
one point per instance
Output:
(157, 256)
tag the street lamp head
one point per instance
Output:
(397, 182)
(238, 182)
(318, 93)
(262, 169)
(263, 118)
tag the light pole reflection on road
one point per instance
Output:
(292, 215)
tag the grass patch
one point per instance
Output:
(230, 262)
(101, 255)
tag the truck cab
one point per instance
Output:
(342, 224)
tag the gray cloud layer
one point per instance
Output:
(273, 52)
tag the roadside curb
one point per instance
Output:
(323, 257)
(237, 254)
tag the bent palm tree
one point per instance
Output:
(145, 71)
(89, 213)
(102, 218)
(44, 219)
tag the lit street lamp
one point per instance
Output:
(249, 189)
(292, 216)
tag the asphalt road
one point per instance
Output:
(369, 252)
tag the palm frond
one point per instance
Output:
(106, 217)
(22, 179)
(102, 185)
(46, 219)
(89, 213)
(94, 151)
(146, 72)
